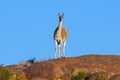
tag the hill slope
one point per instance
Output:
(63, 68)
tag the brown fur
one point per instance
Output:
(60, 37)
(64, 34)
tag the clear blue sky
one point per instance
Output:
(27, 27)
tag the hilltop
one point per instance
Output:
(90, 67)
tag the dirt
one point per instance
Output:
(62, 68)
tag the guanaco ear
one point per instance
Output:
(63, 14)
(58, 14)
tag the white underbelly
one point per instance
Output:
(58, 38)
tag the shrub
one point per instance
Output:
(7, 75)
(28, 62)
(4, 73)
(99, 76)
(80, 75)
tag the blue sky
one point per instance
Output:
(27, 27)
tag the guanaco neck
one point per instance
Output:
(60, 25)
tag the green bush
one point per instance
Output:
(4, 73)
(99, 76)
(80, 75)
(7, 75)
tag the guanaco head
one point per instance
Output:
(61, 17)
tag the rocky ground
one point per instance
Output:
(99, 66)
